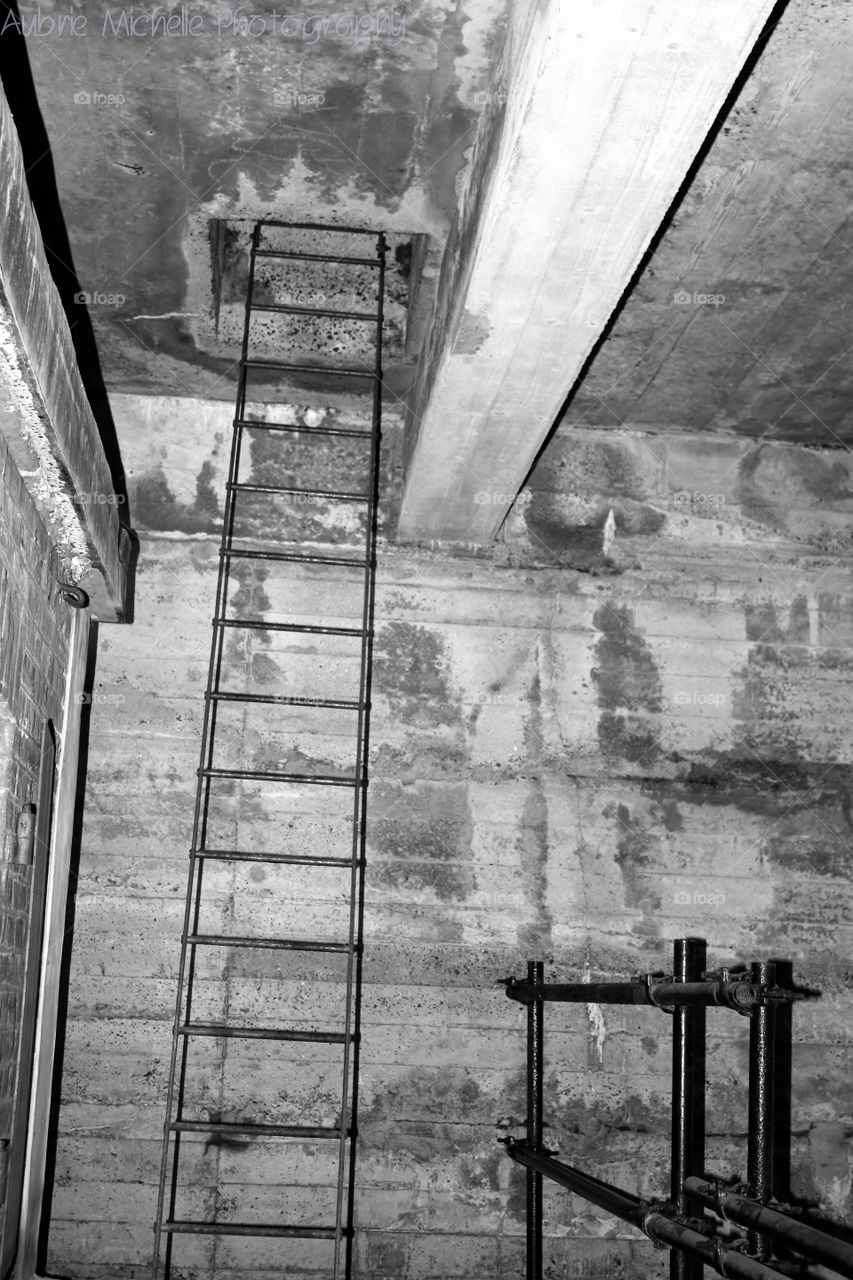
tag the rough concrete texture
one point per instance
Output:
(736, 324)
(360, 117)
(604, 108)
(676, 494)
(47, 421)
(566, 767)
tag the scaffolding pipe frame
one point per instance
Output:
(658, 1222)
(681, 1222)
(801, 1237)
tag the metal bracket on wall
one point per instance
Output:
(76, 597)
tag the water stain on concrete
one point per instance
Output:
(395, 1123)
(572, 545)
(265, 671)
(831, 1161)
(763, 624)
(535, 936)
(411, 671)
(473, 332)
(426, 831)
(634, 844)
(156, 507)
(628, 686)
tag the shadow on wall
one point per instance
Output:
(19, 87)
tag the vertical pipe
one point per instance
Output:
(759, 1160)
(688, 1094)
(535, 1047)
(782, 1053)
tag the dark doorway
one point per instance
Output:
(32, 986)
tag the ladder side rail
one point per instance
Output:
(186, 963)
(349, 1101)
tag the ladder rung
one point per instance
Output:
(337, 229)
(315, 311)
(288, 859)
(349, 432)
(345, 496)
(262, 1033)
(267, 944)
(280, 699)
(239, 554)
(264, 1130)
(284, 366)
(315, 257)
(263, 775)
(184, 1226)
(310, 629)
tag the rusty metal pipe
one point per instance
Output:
(814, 1244)
(711, 1251)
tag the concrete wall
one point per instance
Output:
(34, 627)
(564, 767)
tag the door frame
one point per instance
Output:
(64, 808)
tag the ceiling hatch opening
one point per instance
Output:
(314, 284)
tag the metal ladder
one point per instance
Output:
(191, 1127)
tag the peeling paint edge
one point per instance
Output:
(595, 1013)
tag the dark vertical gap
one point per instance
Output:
(215, 230)
(22, 1118)
(65, 966)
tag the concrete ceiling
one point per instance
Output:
(165, 144)
(714, 417)
(740, 321)
(708, 409)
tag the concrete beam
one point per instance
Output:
(44, 412)
(597, 113)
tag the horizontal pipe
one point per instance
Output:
(816, 1245)
(710, 1251)
(623, 1204)
(661, 1229)
(737, 994)
(261, 1229)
